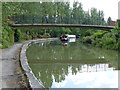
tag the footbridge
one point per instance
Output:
(62, 25)
(44, 21)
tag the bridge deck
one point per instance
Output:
(63, 25)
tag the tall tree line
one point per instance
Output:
(53, 12)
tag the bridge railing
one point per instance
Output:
(56, 20)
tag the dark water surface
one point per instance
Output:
(73, 65)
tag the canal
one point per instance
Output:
(73, 65)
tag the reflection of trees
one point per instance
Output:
(48, 72)
(73, 53)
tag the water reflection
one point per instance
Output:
(71, 40)
(64, 43)
(74, 65)
(75, 75)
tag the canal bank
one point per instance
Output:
(33, 82)
(13, 73)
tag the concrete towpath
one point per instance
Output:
(11, 75)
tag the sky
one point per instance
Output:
(110, 7)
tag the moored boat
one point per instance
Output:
(67, 37)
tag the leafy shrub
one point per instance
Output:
(119, 24)
(87, 39)
(87, 33)
(105, 39)
(46, 35)
(99, 34)
(109, 41)
(7, 37)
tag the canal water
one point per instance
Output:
(73, 65)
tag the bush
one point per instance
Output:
(87, 39)
(119, 24)
(87, 33)
(7, 37)
(98, 34)
(46, 35)
(109, 40)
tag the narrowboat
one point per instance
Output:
(67, 37)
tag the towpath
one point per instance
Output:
(11, 75)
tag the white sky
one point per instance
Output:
(110, 7)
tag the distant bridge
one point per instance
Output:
(107, 28)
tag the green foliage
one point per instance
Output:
(7, 37)
(119, 25)
(88, 33)
(98, 35)
(57, 12)
(109, 20)
(87, 39)
(47, 35)
(109, 40)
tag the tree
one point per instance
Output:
(77, 13)
(109, 20)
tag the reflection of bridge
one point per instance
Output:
(67, 61)
(63, 25)
(96, 68)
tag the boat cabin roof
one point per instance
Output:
(71, 36)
